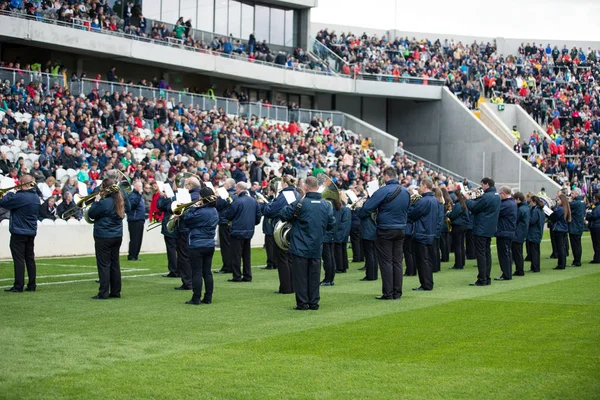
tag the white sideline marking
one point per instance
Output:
(87, 280)
(79, 274)
(54, 265)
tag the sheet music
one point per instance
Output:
(183, 196)
(372, 187)
(352, 196)
(168, 190)
(289, 197)
(222, 192)
(209, 185)
(82, 189)
(160, 186)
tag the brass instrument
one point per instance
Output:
(473, 193)
(16, 187)
(182, 176)
(448, 208)
(180, 209)
(358, 204)
(548, 204)
(121, 180)
(153, 225)
(82, 203)
(414, 197)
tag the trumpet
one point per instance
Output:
(448, 208)
(16, 187)
(414, 197)
(180, 209)
(102, 193)
(473, 193)
(358, 204)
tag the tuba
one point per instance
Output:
(281, 234)
(548, 204)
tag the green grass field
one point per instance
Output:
(534, 337)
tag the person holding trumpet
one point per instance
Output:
(135, 221)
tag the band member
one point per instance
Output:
(527, 244)
(311, 217)
(272, 211)
(355, 231)
(507, 225)
(341, 235)
(424, 214)
(435, 246)
(244, 213)
(409, 244)
(577, 224)
(368, 233)
(108, 211)
(164, 204)
(135, 220)
(225, 228)
(523, 216)
(202, 222)
(536, 231)
(184, 268)
(328, 255)
(268, 228)
(485, 210)
(391, 203)
(459, 217)
(470, 240)
(593, 218)
(561, 218)
(24, 207)
(445, 239)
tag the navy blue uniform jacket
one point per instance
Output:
(523, 215)
(24, 207)
(244, 214)
(272, 210)
(594, 218)
(391, 215)
(537, 218)
(137, 207)
(202, 223)
(368, 229)
(507, 219)
(577, 216)
(182, 228)
(424, 213)
(344, 225)
(459, 216)
(558, 220)
(107, 224)
(485, 210)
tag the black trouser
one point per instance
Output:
(484, 258)
(225, 246)
(576, 248)
(561, 248)
(171, 244)
(201, 263)
(534, 254)
(445, 246)
(458, 246)
(183, 260)
(341, 256)
(595, 233)
(136, 234)
(109, 268)
(283, 260)
(390, 252)
(328, 262)
(240, 252)
(270, 250)
(358, 253)
(470, 245)
(22, 250)
(307, 273)
(435, 255)
(517, 256)
(503, 245)
(409, 255)
(368, 247)
(528, 251)
(423, 254)
(553, 243)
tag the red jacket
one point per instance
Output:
(154, 213)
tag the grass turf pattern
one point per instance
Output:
(537, 336)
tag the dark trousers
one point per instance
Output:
(183, 261)
(423, 254)
(595, 232)
(341, 256)
(136, 234)
(201, 263)
(22, 250)
(225, 246)
(358, 253)
(576, 248)
(370, 254)
(527, 246)
(458, 246)
(240, 253)
(483, 253)
(445, 242)
(553, 243)
(307, 273)
(534, 255)
(390, 252)
(409, 256)
(561, 248)
(517, 256)
(327, 255)
(470, 245)
(109, 268)
(283, 260)
(171, 244)
(503, 245)
(435, 255)
(270, 250)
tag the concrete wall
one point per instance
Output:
(381, 140)
(515, 115)
(348, 104)
(491, 119)
(374, 111)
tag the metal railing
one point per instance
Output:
(434, 167)
(14, 75)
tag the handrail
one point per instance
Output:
(435, 167)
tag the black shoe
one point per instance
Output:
(367, 279)
(384, 297)
(171, 275)
(535, 271)
(421, 289)
(114, 296)
(182, 287)
(234, 280)
(520, 273)
(576, 265)
(362, 269)
(488, 282)
(478, 283)
(455, 267)
(97, 280)
(268, 268)
(594, 262)
(13, 290)
(220, 271)
(340, 271)
(96, 297)
(410, 274)
(327, 283)
(557, 267)
(552, 257)
(206, 301)
(30, 289)
(246, 279)
(314, 307)
(500, 279)
(193, 302)
(301, 308)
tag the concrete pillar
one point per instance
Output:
(79, 67)
(304, 32)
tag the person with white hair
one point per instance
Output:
(576, 225)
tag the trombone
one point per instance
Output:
(178, 209)
(16, 187)
(153, 225)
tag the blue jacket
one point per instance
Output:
(523, 215)
(507, 219)
(577, 216)
(470, 219)
(222, 206)
(202, 223)
(440, 219)
(24, 207)
(409, 229)
(459, 216)
(558, 220)
(344, 225)
(164, 205)
(137, 207)
(330, 232)
(308, 229)
(107, 224)
(368, 229)
(182, 228)
(391, 214)
(536, 225)
(244, 214)
(272, 210)
(355, 219)
(424, 214)
(485, 212)
(594, 218)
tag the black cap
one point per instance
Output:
(206, 192)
